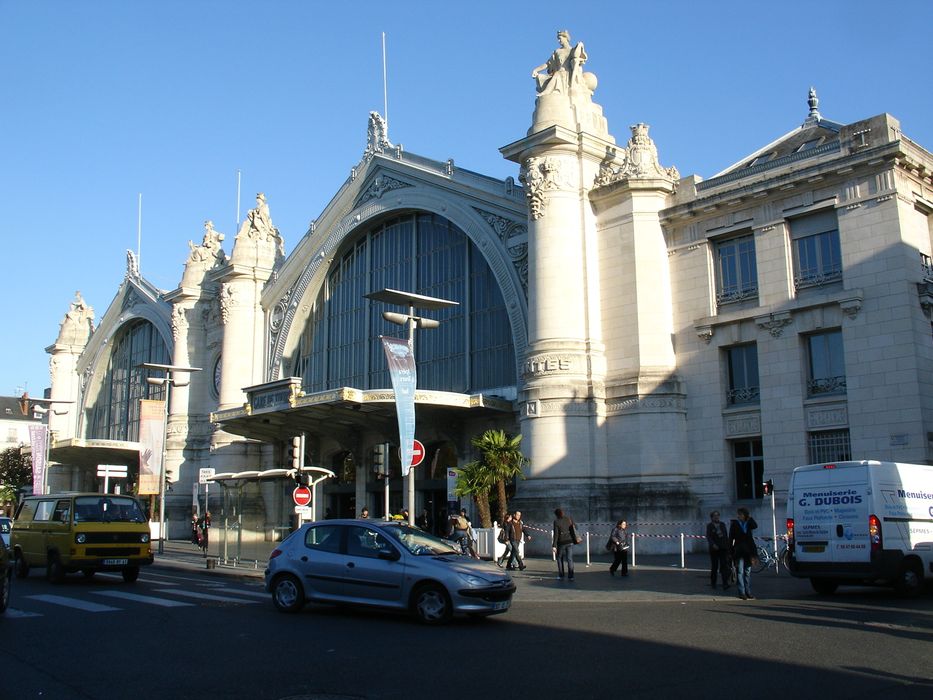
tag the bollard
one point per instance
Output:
(553, 551)
(587, 550)
(633, 550)
(683, 563)
(211, 563)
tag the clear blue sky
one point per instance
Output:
(104, 100)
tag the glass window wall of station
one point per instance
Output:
(426, 254)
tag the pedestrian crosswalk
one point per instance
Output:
(158, 590)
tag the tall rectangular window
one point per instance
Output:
(817, 254)
(737, 270)
(829, 446)
(749, 462)
(743, 374)
(826, 360)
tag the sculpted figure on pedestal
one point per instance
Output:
(78, 324)
(564, 67)
(565, 91)
(258, 229)
(209, 250)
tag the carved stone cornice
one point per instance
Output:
(378, 187)
(507, 230)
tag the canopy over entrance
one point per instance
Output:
(279, 410)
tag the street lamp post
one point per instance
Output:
(168, 381)
(42, 407)
(412, 301)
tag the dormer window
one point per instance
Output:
(759, 160)
(807, 145)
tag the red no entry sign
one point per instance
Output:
(302, 496)
(417, 455)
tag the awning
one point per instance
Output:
(88, 453)
(279, 410)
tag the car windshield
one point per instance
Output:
(419, 542)
(108, 509)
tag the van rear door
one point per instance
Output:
(831, 513)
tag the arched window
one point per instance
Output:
(424, 253)
(115, 413)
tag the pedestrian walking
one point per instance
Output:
(718, 543)
(565, 537)
(742, 541)
(504, 539)
(459, 532)
(204, 526)
(618, 539)
(195, 539)
(517, 535)
(364, 513)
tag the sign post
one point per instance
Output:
(204, 476)
(116, 471)
(302, 495)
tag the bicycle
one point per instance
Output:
(766, 558)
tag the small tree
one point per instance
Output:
(475, 480)
(503, 457)
(15, 472)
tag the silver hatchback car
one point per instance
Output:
(383, 564)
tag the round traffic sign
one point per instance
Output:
(417, 454)
(302, 496)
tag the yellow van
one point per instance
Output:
(85, 532)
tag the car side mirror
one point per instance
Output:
(391, 555)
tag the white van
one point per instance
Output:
(861, 523)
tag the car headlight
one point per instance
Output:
(471, 580)
(144, 537)
(80, 538)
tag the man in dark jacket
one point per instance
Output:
(563, 542)
(744, 549)
(718, 541)
(516, 536)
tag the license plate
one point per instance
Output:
(814, 548)
(504, 605)
(116, 562)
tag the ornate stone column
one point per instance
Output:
(563, 371)
(76, 329)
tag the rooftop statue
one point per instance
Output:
(259, 236)
(565, 91)
(78, 324)
(564, 67)
(209, 250)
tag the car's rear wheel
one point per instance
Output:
(824, 586)
(287, 594)
(88, 573)
(6, 585)
(431, 604)
(130, 574)
(909, 581)
(21, 566)
(55, 571)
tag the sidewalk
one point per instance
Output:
(655, 578)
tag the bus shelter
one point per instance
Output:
(257, 510)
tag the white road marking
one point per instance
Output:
(207, 596)
(76, 603)
(148, 599)
(14, 613)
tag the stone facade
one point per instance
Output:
(623, 311)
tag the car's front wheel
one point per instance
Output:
(432, 605)
(130, 574)
(287, 594)
(824, 586)
(55, 571)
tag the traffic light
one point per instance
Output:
(379, 459)
(296, 454)
(768, 487)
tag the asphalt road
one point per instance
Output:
(197, 635)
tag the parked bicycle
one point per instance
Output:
(766, 558)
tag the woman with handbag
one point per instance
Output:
(618, 540)
(565, 537)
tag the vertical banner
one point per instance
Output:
(151, 437)
(38, 443)
(404, 378)
(452, 502)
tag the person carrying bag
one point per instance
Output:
(618, 541)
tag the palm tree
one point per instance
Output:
(475, 480)
(503, 457)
